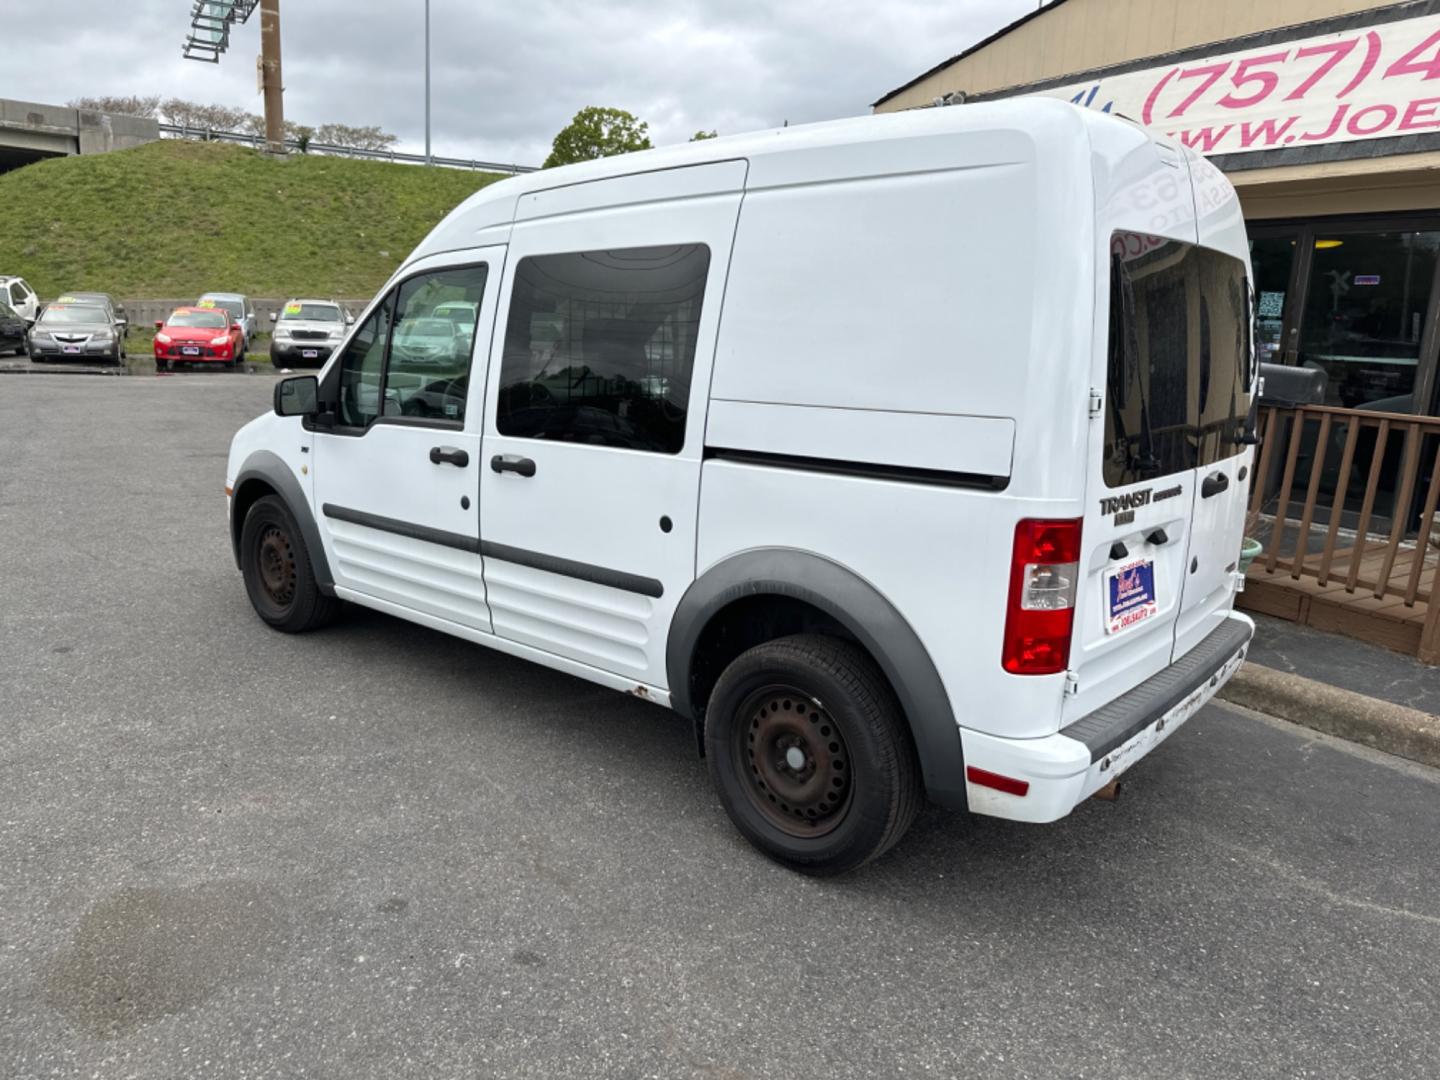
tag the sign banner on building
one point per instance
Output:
(1367, 83)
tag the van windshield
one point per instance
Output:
(1178, 382)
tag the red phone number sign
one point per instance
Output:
(1363, 84)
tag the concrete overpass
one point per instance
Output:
(30, 131)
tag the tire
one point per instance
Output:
(820, 788)
(278, 575)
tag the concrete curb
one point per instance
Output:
(1380, 725)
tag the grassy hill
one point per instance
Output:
(177, 218)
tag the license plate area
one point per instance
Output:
(189, 350)
(1130, 595)
(309, 354)
(70, 350)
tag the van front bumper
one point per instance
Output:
(1064, 769)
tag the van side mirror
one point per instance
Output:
(237, 326)
(298, 396)
(159, 323)
(349, 319)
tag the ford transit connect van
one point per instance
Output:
(905, 456)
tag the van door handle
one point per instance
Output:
(502, 463)
(449, 455)
(1214, 484)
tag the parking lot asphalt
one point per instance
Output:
(376, 851)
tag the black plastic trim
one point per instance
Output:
(863, 469)
(267, 468)
(1115, 724)
(403, 528)
(554, 564)
(870, 618)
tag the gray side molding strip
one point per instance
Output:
(403, 528)
(554, 564)
(268, 468)
(866, 614)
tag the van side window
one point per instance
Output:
(362, 367)
(17, 294)
(434, 337)
(600, 346)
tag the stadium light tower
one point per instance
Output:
(209, 39)
(428, 159)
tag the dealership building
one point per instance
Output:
(1325, 115)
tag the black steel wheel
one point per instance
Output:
(797, 759)
(279, 577)
(811, 755)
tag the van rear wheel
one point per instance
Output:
(278, 574)
(810, 754)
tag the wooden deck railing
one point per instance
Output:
(1352, 509)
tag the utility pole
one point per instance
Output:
(427, 82)
(271, 83)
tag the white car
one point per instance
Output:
(16, 292)
(307, 331)
(905, 456)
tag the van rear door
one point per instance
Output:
(1166, 508)
(1222, 377)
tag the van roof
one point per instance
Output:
(494, 204)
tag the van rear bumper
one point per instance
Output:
(1064, 769)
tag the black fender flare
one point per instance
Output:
(268, 468)
(864, 612)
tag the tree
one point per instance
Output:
(596, 133)
(190, 114)
(701, 136)
(131, 105)
(355, 138)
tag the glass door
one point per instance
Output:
(1358, 299)
(1365, 314)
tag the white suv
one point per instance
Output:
(905, 456)
(16, 292)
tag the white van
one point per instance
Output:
(906, 456)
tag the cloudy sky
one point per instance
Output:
(507, 76)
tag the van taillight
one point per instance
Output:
(1043, 571)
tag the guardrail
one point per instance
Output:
(1348, 499)
(182, 131)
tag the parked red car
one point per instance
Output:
(198, 335)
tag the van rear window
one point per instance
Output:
(1179, 367)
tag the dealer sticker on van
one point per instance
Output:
(1131, 592)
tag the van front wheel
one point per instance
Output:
(278, 576)
(810, 754)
